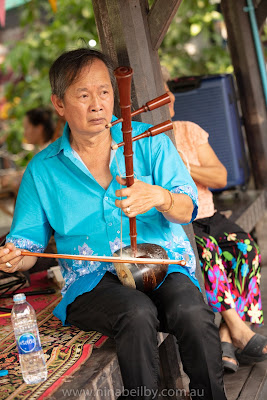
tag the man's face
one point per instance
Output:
(88, 102)
(32, 134)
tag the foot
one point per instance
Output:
(244, 338)
(254, 351)
(232, 360)
(228, 355)
(237, 330)
(226, 338)
(229, 361)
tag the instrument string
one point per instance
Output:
(120, 174)
(115, 155)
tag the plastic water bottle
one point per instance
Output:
(26, 332)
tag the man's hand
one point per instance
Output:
(10, 257)
(141, 197)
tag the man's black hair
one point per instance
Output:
(67, 67)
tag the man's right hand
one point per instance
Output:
(10, 258)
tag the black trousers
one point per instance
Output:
(133, 319)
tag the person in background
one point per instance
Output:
(74, 188)
(39, 128)
(229, 257)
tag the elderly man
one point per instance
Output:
(74, 188)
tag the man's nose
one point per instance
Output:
(95, 105)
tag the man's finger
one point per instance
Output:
(14, 266)
(121, 180)
(4, 251)
(10, 246)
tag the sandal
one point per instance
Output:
(252, 352)
(228, 350)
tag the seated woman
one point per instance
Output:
(229, 257)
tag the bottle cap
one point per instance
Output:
(19, 297)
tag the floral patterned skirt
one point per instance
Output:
(230, 262)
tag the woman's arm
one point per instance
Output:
(211, 172)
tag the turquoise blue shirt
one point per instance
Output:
(58, 193)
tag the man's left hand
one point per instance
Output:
(140, 197)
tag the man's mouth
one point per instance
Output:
(97, 121)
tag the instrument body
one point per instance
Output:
(144, 277)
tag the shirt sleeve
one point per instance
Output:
(198, 135)
(171, 173)
(30, 228)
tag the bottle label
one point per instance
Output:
(28, 342)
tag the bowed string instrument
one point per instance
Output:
(141, 265)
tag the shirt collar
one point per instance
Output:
(63, 143)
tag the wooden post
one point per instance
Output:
(244, 58)
(124, 34)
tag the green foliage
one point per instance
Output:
(193, 44)
(46, 36)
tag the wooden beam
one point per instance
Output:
(261, 13)
(159, 19)
(124, 35)
(252, 100)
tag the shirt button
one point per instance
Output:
(110, 224)
(118, 231)
(105, 198)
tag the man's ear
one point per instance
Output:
(58, 104)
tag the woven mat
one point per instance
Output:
(39, 281)
(65, 349)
